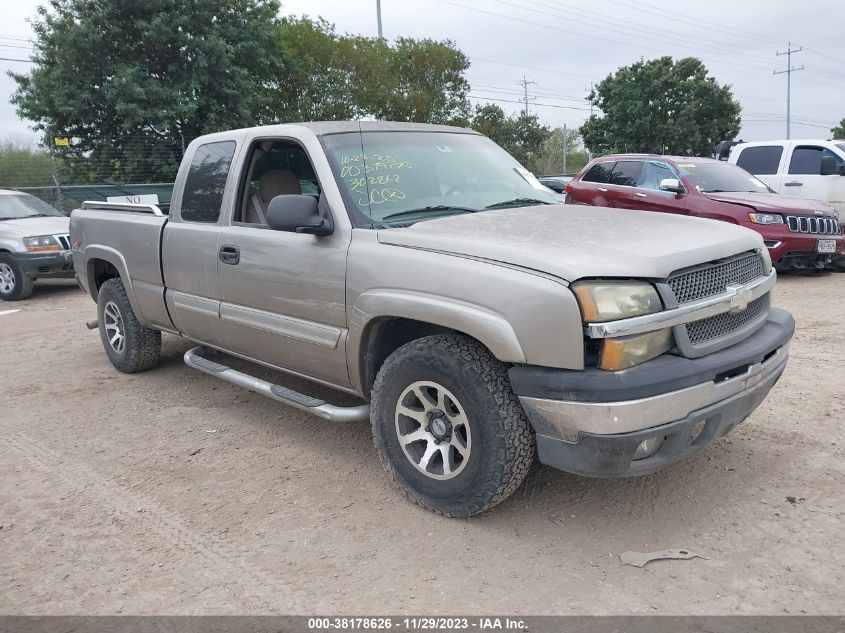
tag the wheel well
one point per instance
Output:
(384, 336)
(100, 272)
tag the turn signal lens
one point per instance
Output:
(627, 351)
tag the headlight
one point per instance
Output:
(765, 218)
(627, 351)
(612, 300)
(41, 243)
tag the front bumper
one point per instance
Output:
(55, 264)
(592, 422)
(800, 250)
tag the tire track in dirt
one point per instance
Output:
(250, 584)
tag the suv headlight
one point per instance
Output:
(41, 243)
(612, 300)
(765, 218)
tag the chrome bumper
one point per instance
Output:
(568, 419)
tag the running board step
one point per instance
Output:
(277, 392)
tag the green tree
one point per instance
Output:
(661, 106)
(336, 77)
(132, 83)
(522, 136)
(21, 166)
(551, 154)
(839, 131)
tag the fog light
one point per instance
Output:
(697, 428)
(648, 448)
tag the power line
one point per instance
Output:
(525, 83)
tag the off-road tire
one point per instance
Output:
(142, 346)
(23, 283)
(503, 449)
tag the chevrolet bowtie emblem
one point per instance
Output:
(740, 298)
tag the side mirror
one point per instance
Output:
(297, 214)
(828, 166)
(671, 184)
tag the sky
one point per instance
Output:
(562, 47)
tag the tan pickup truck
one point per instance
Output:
(483, 324)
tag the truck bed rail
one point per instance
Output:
(96, 205)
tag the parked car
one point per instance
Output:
(555, 183)
(804, 168)
(33, 244)
(431, 275)
(799, 234)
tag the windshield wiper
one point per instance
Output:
(437, 208)
(517, 202)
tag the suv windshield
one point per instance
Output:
(14, 207)
(715, 177)
(389, 177)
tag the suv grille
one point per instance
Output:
(713, 279)
(803, 224)
(64, 241)
(721, 324)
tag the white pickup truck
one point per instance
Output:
(800, 168)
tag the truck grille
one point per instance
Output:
(707, 335)
(713, 327)
(712, 279)
(804, 224)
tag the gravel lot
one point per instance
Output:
(171, 493)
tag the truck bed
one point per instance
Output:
(127, 237)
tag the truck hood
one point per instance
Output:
(572, 242)
(26, 227)
(775, 203)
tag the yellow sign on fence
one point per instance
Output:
(61, 141)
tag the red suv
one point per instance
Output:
(798, 233)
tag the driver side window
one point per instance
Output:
(275, 168)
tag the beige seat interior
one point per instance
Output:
(273, 182)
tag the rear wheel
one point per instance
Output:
(130, 346)
(15, 284)
(448, 426)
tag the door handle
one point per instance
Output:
(602, 189)
(794, 183)
(640, 195)
(229, 254)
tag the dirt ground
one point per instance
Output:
(169, 492)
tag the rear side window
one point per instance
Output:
(808, 160)
(206, 181)
(600, 172)
(626, 172)
(761, 160)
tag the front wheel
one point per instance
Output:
(130, 346)
(448, 426)
(14, 282)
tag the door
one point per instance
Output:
(592, 187)
(804, 179)
(623, 178)
(189, 248)
(648, 195)
(282, 294)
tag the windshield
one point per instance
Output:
(716, 177)
(24, 206)
(841, 146)
(411, 176)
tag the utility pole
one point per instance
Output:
(564, 148)
(789, 70)
(378, 17)
(525, 83)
